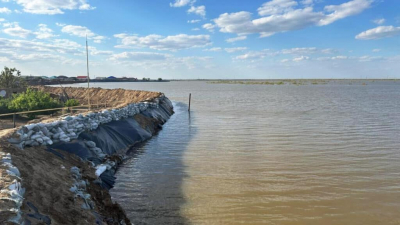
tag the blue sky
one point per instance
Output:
(190, 39)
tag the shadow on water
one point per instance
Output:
(149, 184)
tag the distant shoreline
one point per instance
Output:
(56, 82)
(299, 79)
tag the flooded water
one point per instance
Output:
(268, 154)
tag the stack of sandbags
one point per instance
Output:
(12, 191)
(79, 189)
(69, 128)
(97, 151)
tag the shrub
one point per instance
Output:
(33, 100)
(71, 103)
(4, 106)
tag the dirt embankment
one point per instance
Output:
(47, 178)
(112, 97)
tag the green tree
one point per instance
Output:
(33, 100)
(4, 103)
(160, 79)
(71, 103)
(11, 78)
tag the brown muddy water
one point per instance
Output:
(268, 154)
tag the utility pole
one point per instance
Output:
(87, 67)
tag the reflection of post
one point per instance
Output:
(190, 97)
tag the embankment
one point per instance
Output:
(113, 97)
(59, 171)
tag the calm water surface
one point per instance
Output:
(262, 154)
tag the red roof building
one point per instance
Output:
(81, 77)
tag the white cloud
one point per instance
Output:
(13, 29)
(149, 60)
(237, 49)
(368, 58)
(37, 57)
(35, 51)
(139, 56)
(193, 21)
(229, 50)
(301, 58)
(376, 50)
(209, 26)
(158, 42)
(307, 2)
(94, 51)
(52, 7)
(98, 39)
(285, 15)
(63, 46)
(379, 32)
(5, 10)
(239, 38)
(344, 10)
(81, 31)
(44, 32)
(300, 54)
(254, 55)
(305, 51)
(379, 21)
(181, 3)
(276, 7)
(216, 49)
(241, 23)
(339, 57)
(196, 29)
(199, 10)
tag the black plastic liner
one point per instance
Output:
(114, 138)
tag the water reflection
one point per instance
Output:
(149, 184)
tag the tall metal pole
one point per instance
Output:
(88, 78)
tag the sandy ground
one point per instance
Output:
(97, 95)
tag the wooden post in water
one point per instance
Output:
(14, 115)
(190, 97)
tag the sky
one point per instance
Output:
(203, 39)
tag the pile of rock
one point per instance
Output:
(68, 128)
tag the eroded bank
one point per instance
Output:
(59, 171)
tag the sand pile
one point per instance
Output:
(99, 95)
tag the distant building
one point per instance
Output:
(111, 77)
(81, 77)
(62, 77)
(53, 77)
(101, 78)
